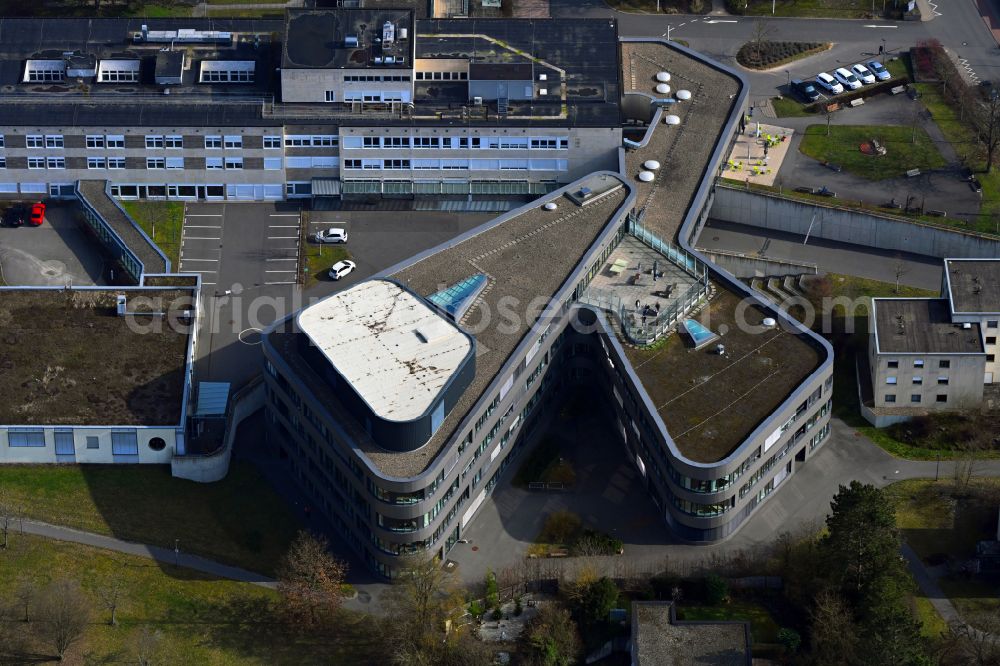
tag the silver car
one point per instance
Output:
(335, 235)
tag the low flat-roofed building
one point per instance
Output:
(921, 360)
(91, 385)
(972, 287)
(660, 639)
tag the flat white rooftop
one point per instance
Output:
(395, 350)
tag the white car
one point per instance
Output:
(845, 76)
(880, 72)
(829, 84)
(863, 74)
(341, 268)
(335, 235)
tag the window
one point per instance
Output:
(942, 381)
(26, 437)
(154, 141)
(55, 163)
(36, 162)
(95, 141)
(3, 162)
(35, 141)
(115, 140)
(944, 364)
(395, 142)
(425, 142)
(918, 363)
(396, 164)
(890, 397)
(991, 323)
(227, 71)
(917, 381)
(991, 340)
(371, 142)
(173, 141)
(233, 141)
(890, 380)
(352, 164)
(64, 442)
(272, 163)
(915, 397)
(41, 71)
(96, 163)
(323, 140)
(272, 142)
(116, 162)
(118, 71)
(990, 358)
(213, 162)
(157, 444)
(53, 141)
(93, 442)
(941, 397)
(1, 141)
(234, 162)
(331, 96)
(124, 444)
(175, 163)
(213, 142)
(155, 163)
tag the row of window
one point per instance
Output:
(441, 76)
(176, 141)
(360, 78)
(917, 398)
(456, 164)
(917, 381)
(460, 142)
(211, 163)
(123, 443)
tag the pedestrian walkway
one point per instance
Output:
(156, 553)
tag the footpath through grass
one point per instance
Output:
(162, 221)
(906, 148)
(198, 620)
(239, 520)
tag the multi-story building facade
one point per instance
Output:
(256, 110)
(537, 289)
(972, 287)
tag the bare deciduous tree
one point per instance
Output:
(24, 594)
(146, 645)
(64, 612)
(110, 591)
(310, 579)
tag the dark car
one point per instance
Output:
(16, 216)
(804, 89)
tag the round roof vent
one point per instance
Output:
(662, 88)
(672, 120)
(550, 206)
(683, 95)
(652, 165)
(769, 322)
(663, 77)
(646, 176)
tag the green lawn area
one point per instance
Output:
(935, 522)
(841, 147)
(162, 221)
(789, 107)
(318, 259)
(544, 464)
(932, 625)
(201, 621)
(238, 520)
(841, 9)
(763, 628)
(972, 597)
(669, 6)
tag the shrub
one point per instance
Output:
(496, 615)
(518, 608)
(697, 6)
(560, 527)
(790, 639)
(716, 589)
(476, 610)
(492, 593)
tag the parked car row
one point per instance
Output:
(17, 215)
(842, 79)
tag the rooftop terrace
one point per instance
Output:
(66, 358)
(709, 402)
(509, 252)
(922, 326)
(974, 284)
(683, 150)
(661, 641)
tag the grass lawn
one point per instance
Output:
(841, 9)
(789, 107)
(201, 621)
(841, 147)
(666, 6)
(763, 627)
(162, 221)
(544, 464)
(932, 625)
(318, 259)
(936, 523)
(972, 597)
(238, 520)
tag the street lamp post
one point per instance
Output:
(788, 78)
(177, 552)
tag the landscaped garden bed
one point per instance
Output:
(767, 54)
(563, 534)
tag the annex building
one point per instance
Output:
(402, 400)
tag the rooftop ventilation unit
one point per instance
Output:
(182, 36)
(120, 309)
(388, 33)
(351, 41)
(478, 101)
(403, 33)
(966, 326)
(389, 60)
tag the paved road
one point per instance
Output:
(829, 256)
(164, 556)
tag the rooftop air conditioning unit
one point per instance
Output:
(966, 326)
(478, 101)
(351, 41)
(120, 310)
(543, 77)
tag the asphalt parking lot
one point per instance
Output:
(247, 255)
(58, 253)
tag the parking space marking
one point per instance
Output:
(289, 270)
(283, 259)
(193, 259)
(282, 226)
(281, 282)
(284, 214)
(203, 215)
(281, 237)
(202, 238)
(201, 270)
(204, 226)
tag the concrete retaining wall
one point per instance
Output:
(214, 467)
(743, 266)
(770, 211)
